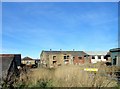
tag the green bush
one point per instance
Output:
(44, 83)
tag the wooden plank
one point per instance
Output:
(90, 69)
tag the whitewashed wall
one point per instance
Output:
(98, 60)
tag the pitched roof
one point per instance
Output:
(115, 50)
(74, 53)
(96, 52)
(36, 59)
(27, 58)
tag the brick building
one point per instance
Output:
(57, 58)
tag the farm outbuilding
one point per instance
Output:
(57, 58)
(30, 62)
(115, 56)
(97, 56)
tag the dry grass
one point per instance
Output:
(74, 76)
(68, 76)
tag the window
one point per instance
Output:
(28, 63)
(93, 57)
(65, 57)
(79, 57)
(105, 57)
(54, 57)
(99, 57)
(114, 61)
(54, 62)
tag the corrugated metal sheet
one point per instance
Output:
(96, 52)
(9, 63)
(73, 53)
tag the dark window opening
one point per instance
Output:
(79, 57)
(85, 56)
(68, 57)
(93, 57)
(54, 57)
(65, 57)
(66, 60)
(108, 63)
(114, 61)
(105, 57)
(99, 57)
(54, 62)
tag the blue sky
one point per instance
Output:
(29, 28)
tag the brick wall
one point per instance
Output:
(78, 60)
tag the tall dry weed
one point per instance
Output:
(69, 76)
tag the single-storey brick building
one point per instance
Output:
(97, 56)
